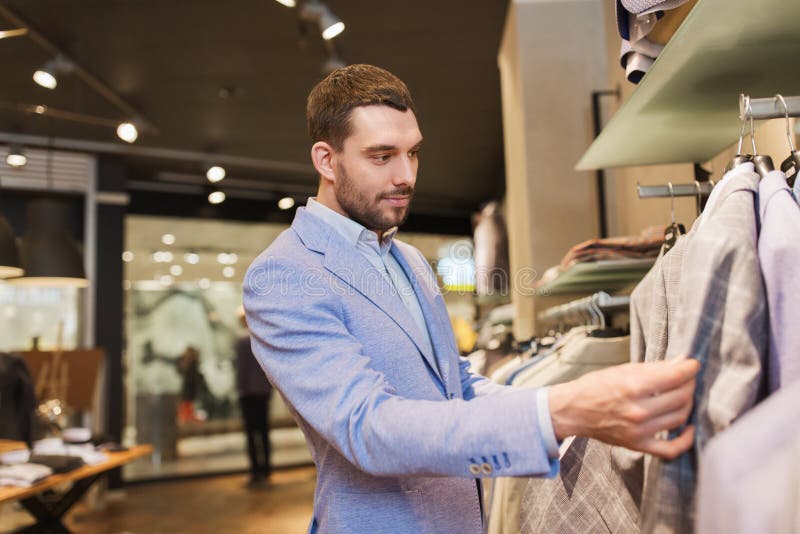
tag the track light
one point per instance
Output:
(215, 174)
(128, 132)
(16, 158)
(287, 3)
(46, 75)
(329, 24)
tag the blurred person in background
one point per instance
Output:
(254, 394)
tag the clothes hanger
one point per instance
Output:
(790, 165)
(740, 158)
(674, 230)
(699, 197)
(763, 163)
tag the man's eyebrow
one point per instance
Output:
(380, 148)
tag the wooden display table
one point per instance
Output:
(48, 514)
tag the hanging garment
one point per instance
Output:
(723, 324)
(580, 355)
(749, 480)
(17, 399)
(779, 255)
(641, 305)
(491, 252)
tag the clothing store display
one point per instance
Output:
(23, 475)
(779, 255)
(645, 245)
(491, 252)
(382, 384)
(723, 324)
(749, 481)
(576, 354)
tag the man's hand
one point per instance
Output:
(628, 404)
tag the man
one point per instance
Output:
(349, 326)
(254, 391)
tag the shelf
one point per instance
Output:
(583, 278)
(686, 108)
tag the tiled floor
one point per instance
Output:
(209, 505)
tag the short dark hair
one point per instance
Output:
(333, 99)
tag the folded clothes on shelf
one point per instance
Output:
(23, 475)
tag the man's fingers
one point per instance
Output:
(667, 421)
(666, 375)
(669, 401)
(668, 449)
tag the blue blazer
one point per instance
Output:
(399, 434)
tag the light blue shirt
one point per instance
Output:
(377, 253)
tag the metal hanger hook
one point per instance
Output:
(699, 196)
(671, 201)
(749, 112)
(786, 115)
(744, 123)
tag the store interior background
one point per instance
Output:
(503, 91)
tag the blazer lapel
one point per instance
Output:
(426, 291)
(354, 271)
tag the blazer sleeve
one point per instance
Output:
(302, 343)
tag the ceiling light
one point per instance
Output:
(287, 3)
(204, 283)
(329, 24)
(176, 270)
(191, 258)
(216, 197)
(286, 203)
(228, 272)
(215, 174)
(50, 256)
(10, 265)
(127, 256)
(162, 256)
(227, 259)
(168, 239)
(40, 109)
(6, 34)
(128, 132)
(46, 75)
(16, 158)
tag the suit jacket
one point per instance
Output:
(723, 324)
(398, 433)
(749, 479)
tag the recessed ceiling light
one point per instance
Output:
(228, 272)
(128, 132)
(191, 258)
(216, 197)
(176, 270)
(215, 174)
(127, 256)
(286, 203)
(16, 158)
(168, 239)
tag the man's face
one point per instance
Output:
(377, 167)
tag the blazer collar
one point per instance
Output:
(352, 268)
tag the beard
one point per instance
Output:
(366, 209)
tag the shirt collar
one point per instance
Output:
(353, 232)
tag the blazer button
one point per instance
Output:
(486, 469)
(475, 469)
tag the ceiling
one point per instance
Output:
(175, 62)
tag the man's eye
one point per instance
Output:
(413, 154)
(381, 157)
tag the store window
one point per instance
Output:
(43, 318)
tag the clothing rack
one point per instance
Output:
(587, 310)
(769, 108)
(678, 190)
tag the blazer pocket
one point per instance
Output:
(390, 512)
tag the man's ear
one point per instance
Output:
(322, 155)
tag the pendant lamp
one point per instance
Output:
(10, 266)
(50, 256)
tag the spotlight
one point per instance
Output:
(16, 158)
(286, 203)
(40, 109)
(215, 174)
(127, 256)
(46, 75)
(192, 258)
(329, 24)
(176, 270)
(216, 197)
(168, 239)
(128, 132)
(287, 3)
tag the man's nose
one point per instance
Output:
(406, 172)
